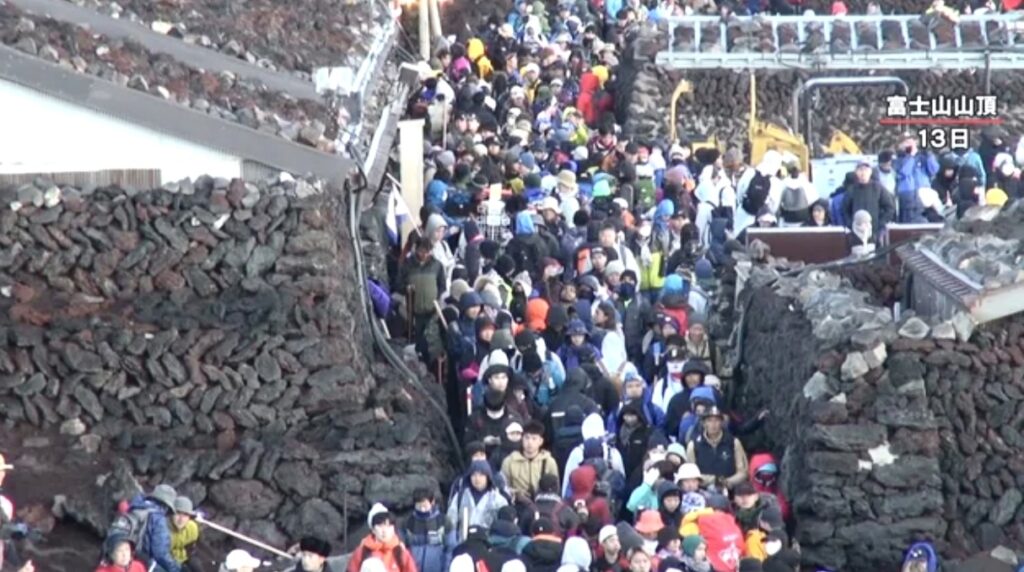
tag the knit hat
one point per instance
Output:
(315, 545)
(458, 288)
(607, 531)
(678, 450)
(615, 267)
(703, 270)
(542, 525)
(772, 516)
(378, 514)
(502, 340)
(691, 544)
(489, 249)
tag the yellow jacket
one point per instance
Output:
(650, 274)
(524, 474)
(182, 539)
(689, 527)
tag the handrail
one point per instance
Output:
(817, 82)
(870, 18)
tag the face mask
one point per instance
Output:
(627, 290)
(675, 366)
(773, 547)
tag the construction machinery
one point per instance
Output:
(712, 142)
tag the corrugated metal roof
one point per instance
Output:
(171, 119)
(984, 305)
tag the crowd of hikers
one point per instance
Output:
(559, 281)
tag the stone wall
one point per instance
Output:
(858, 443)
(211, 333)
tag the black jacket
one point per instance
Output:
(870, 197)
(542, 555)
(636, 314)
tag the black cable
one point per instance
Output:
(380, 340)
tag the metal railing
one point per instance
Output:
(845, 42)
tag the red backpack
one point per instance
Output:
(724, 539)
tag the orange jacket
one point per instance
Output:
(395, 556)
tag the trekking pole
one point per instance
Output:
(202, 520)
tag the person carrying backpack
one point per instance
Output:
(383, 544)
(146, 524)
(756, 189)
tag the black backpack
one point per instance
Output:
(611, 484)
(757, 193)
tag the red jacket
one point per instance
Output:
(756, 462)
(134, 566)
(587, 103)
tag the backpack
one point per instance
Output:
(922, 551)
(757, 193)
(132, 525)
(794, 204)
(725, 541)
(611, 484)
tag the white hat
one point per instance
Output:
(712, 380)
(549, 204)
(607, 531)
(461, 563)
(240, 559)
(374, 511)
(688, 471)
(513, 427)
(514, 566)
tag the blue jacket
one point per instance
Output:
(915, 171)
(156, 541)
(430, 540)
(835, 208)
(690, 421)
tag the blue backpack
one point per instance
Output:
(923, 551)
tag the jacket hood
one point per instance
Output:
(577, 552)
(470, 300)
(583, 479)
(770, 163)
(693, 365)
(576, 327)
(112, 542)
(673, 285)
(558, 316)
(524, 224)
(593, 427)
(505, 529)
(589, 83)
(576, 380)
(760, 460)
(480, 467)
(636, 409)
(544, 550)
(474, 48)
(704, 392)
(537, 314)
(667, 488)
(434, 222)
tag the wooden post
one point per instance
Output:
(424, 30)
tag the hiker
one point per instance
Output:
(382, 543)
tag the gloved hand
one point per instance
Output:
(651, 476)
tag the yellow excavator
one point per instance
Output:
(836, 158)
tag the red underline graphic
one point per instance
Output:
(943, 121)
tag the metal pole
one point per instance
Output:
(424, 30)
(988, 72)
(242, 537)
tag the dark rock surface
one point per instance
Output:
(210, 333)
(223, 95)
(295, 36)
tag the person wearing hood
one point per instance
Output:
(607, 336)
(944, 182)
(572, 395)
(633, 435)
(429, 537)
(593, 434)
(695, 554)
(578, 351)
(544, 379)
(569, 432)
(462, 334)
(497, 377)
(674, 300)
(636, 313)
(670, 500)
(764, 476)
(469, 254)
(636, 390)
(315, 556)
(576, 556)
(701, 400)
(719, 455)
(383, 544)
(838, 198)
(656, 346)
(544, 552)
(698, 345)
(527, 249)
(715, 197)
(862, 239)
(557, 327)
(693, 374)
(524, 469)
(479, 500)
(817, 215)
(780, 558)
(488, 424)
(437, 231)
(798, 194)
(118, 556)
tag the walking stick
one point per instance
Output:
(202, 520)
